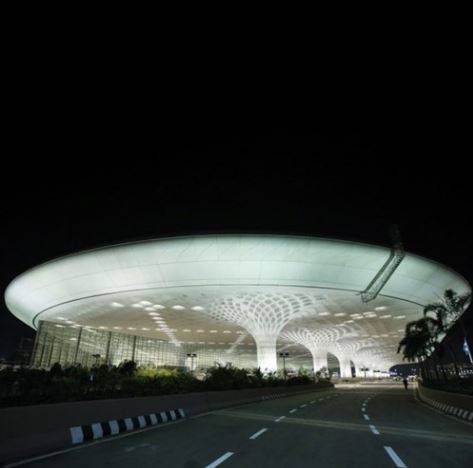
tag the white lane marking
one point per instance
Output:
(363, 409)
(257, 434)
(280, 418)
(312, 402)
(374, 430)
(303, 406)
(220, 460)
(293, 410)
(366, 417)
(395, 458)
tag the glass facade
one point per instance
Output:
(88, 346)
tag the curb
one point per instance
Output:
(460, 413)
(87, 432)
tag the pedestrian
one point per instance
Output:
(404, 381)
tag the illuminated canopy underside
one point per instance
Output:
(256, 291)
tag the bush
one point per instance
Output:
(127, 368)
(26, 386)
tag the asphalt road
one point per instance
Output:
(352, 426)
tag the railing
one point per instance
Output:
(448, 376)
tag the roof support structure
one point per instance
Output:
(382, 277)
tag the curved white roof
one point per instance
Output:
(221, 261)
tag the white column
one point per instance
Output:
(358, 367)
(319, 360)
(345, 368)
(266, 352)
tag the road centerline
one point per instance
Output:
(395, 457)
(220, 460)
(374, 430)
(257, 434)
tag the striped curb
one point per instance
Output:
(84, 433)
(451, 410)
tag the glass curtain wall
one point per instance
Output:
(89, 346)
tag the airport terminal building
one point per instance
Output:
(240, 299)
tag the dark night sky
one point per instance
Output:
(72, 186)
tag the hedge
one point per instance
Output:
(27, 386)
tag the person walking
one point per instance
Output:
(404, 381)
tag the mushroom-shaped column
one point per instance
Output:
(307, 338)
(263, 315)
(358, 368)
(345, 367)
(315, 340)
(375, 357)
(319, 360)
(344, 351)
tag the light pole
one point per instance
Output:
(284, 356)
(192, 356)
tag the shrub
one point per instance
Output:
(26, 386)
(127, 368)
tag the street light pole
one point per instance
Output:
(284, 356)
(192, 356)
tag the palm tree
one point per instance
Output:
(448, 312)
(419, 340)
(450, 309)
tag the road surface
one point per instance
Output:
(352, 426)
